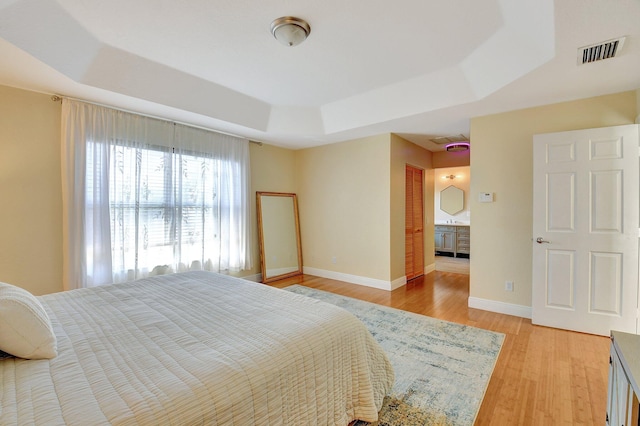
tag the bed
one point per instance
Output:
(196, 348)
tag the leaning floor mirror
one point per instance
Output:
(279, 235)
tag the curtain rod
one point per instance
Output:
(59, 98)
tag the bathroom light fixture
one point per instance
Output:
(290, 31)
(457, 146)
(449, 177)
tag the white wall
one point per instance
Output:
(462, 181)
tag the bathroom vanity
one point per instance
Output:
(452, 238)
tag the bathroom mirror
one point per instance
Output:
(452, 200)
(279, 235)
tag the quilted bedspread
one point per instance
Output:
(197, 348)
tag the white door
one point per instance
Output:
(585, 229)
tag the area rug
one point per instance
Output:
(442, 369)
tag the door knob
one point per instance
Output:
(539, 240)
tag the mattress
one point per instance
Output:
(197, 348)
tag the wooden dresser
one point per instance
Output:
(624, 373)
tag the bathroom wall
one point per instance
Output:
(462, 181)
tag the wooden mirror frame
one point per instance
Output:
(266, 278)
(452, 200)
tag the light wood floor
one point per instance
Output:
(459, 265)
(543, 376)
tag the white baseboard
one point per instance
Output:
(397, 283)
(356, 279)
(257, 278)
(500, 307)
(429, 268)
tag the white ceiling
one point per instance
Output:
(418, 68)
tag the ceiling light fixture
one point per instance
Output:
(457, 146)
(290, 31)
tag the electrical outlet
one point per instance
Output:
(508, 286)
(334, 260)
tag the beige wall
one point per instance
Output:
(30, 191)
(272, 170)
(344, 207)
(451, 159)
(501, 162)
(638, 106)
(404, 152)
(351, 201)
(350, 194)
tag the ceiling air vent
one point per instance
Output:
(597, 52)
(442, 140)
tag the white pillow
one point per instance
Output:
(25, 328)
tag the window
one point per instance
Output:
(163, 213)
(155, 197)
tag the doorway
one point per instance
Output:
(452, 222)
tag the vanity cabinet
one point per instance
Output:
(462, 240)
(624, 371)
(445, 239)
(452, 239)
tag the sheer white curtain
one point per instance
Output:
(143, 196)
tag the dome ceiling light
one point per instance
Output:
(455, 143)
(457, 146)
(290, 31)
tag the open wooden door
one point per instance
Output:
(414, 223)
